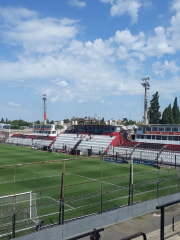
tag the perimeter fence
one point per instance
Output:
(20, 212)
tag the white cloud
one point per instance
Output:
(130, 41)
(160, 69)
(133, 66)
(60, 83)
(76, 3)
(122, 53)
(176, 5)
(14, 104)
(159, 44)
(54, 99)
(82, 71)
(167, 88)
(121, 7)
(24, 28)
(15, 15)
(173, 32)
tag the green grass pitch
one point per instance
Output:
(82, 181)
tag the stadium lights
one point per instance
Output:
(44, 97)
(146, 86)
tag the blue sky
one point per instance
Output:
(88, 56)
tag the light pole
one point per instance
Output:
(146, 86)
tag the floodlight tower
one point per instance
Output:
(44, 99)
(146, 86)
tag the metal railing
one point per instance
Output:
(162, 208)
(86, 234)
(135, 236)
(173, 220)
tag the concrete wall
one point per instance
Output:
(74, 228)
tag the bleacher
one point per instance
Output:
(28, 140)
(153, 146)
(129, 144)
(97, 143)
(67, 141)
(120, 150)
(172, 148)
(169, 157)
(41, 137)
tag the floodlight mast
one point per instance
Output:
(146, 86)
(44, 97)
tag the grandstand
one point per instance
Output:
(65, 142)
(96, 143)
(68, 142)
(30, 140)
(150, 152)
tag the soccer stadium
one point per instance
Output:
(92, 175)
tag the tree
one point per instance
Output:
(130, 122)
(154, 113)
(80, 120)
(170, 115)
(52, 122)
(37, 122)
(175, 112)
(165, 118)
(59, 127)
(66, 120)
(20, 122)
(102, 121)
(2, 120)
(74, 119)
(6, 120)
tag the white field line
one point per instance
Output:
(91, 179)
(34, 178)
(58, 201)
(96, 180)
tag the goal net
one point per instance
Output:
(23, 205)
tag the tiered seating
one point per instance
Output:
(120, 150)
(98, 144)
(153, 146)
(22, 136)
(40, 137)
(145, 154)
(129, 144)
(137, 153)
(172, 148)
(29, 141)
(167, 153)
(15, 135)
(30, 136)
(169, 157)
(50, 138)
(67, 141)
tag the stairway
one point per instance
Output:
(157, 157)
(73, 150)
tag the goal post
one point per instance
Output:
(23, 206)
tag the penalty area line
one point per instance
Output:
(58, 202)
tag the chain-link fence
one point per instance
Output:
(20, 212)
